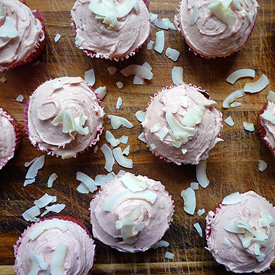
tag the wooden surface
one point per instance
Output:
(232, 164)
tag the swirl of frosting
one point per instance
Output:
(182, 125)
(20, 33)
(7, 138)
(76, 258)
(97, 35)
(131, 213)
(241, 234)
(64, 117)
(210, 36)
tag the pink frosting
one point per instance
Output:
(237, 258)
(209, 36)
(46, 103)
(30, 35)
(80, 253)
(207, 131)
(98, 38)
(7, 138)
(268, 125)
(156, 216)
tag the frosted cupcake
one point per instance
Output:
(266, 123)
(131, 213)
(63, 117)
(10, 137)
(216, 28)
(61, 245)
(22, 35)
(182, 124)
(110, 29)
(240, 233)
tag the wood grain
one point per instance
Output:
(232, 164)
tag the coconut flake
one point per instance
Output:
(133, 183)
(20, 98)
(118, 103)
(201, 174)
(112, 70)
(59, 224)
(159, 45)
(138, 70)
(82, 188)
(198, 228)
(152, 17)
(194, 185)
(161, 24)
(3, 79)
(31, 213)
(271, 96)
(112, 203)
(189, 198)
(233, 198)
(127, 233)
(233, 228)
(86, 180)
(56, 208)
(51, 179)
(172, 54)
(27, 164)
(229, 121)
(126, 151)
(161, 243)
(257, 86)
(45, 200)
(124, 139)
(266, 219)
(195, 15)
(89, 77)
(37, 262)
(248, 126)
(8, 29)
(235, 104)
(109, 159)
(121, 160)
(140, 115)
(116, 121)
(267, 115)
(150, 45)
(138, 80)
(163, 133)
(227, 242)
(58, 258)
(177, 75)
(119, 84)
(169, 255)
(57, 85)
(111, 139)
(141, 137)
(57, 37)
(232, 78)
(232, 97)
(262, 165)
(224, 13)
(155, 128)
(129, 217)
(33, 170)
(78, 40)
(101, 92)
(201, 211)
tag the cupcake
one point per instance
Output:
(110, 29)
(22, 36)
(240, 233)
(182, 124)
(10, 137)
(266, 123)
(131, 213)
(63, 117)
(214, 28)
(59, 245)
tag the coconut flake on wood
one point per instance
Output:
(235, 104)
(271, 96)
(150, 45)
(138, 80)
(189, 199)
(232, 198)
(101, 92)
(161, 243)
(3, 79)
(262, 165)
(159, 44)
(194, 185)
(118, 103)
(257, 86)
(229, 121)
(117, 121)
(126, 151)
(89, 77)
(248, 126)
(121, 160)
(31, 213)
(177, 75)
(138, 70)
(86, 180)
(201, 211)
(229, 99)
(82, 188)
(57, 37)
(56, 208)
(140, 115)
(112, 70)
(111, 139)
(201, 174)
(152, 17)
(169, 255)
(119, 84)
(124, 139)
(109, 159)
(51, 179)
(232, 78)
(33, 170)
(141, 137)
(20, 98)
(172, 54)
(198, 228)
(45, 200)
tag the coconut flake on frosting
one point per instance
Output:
(232, 198)
(195, 15)
(58, 258)
(8, 29)
(224, 13)
(133, 183)
(37, 263)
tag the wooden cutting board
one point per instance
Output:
(232, 165)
